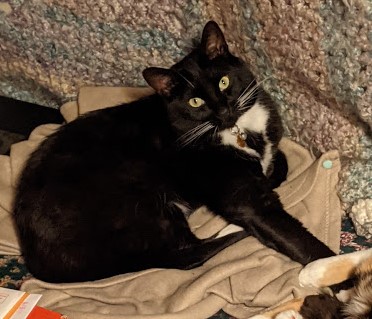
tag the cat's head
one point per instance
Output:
(207, 91)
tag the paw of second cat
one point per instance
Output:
(289, 314)
(313, 274)
(332, 270)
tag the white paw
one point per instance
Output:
(345, 295)
(312, 274)
(289, 314)
(323, 272)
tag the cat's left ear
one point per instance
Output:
(161, 80)
(213, 42)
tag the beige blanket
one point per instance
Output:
(242, 280)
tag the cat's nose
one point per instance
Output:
(224, 112)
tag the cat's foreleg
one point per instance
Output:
(333, 270)
(288, 309)
(266, 219)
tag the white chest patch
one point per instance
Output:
(254, 120)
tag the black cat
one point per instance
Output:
(109, 193)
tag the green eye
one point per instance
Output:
(224, 83)
(196, 102)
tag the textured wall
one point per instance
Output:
(315, 55)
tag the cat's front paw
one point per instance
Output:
(312, 275)
(289, 314)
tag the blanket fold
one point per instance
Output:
(243, 279)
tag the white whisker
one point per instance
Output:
(194, 133)
(187, 81)
(215, 133)
(248, 95)
(246, 89)
(197, 135)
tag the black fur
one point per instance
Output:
(99, 197)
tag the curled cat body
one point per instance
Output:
(110, 192)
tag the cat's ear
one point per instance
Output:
(161, 80)
(213, 41)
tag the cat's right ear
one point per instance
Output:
(213, 42)
(161, 80)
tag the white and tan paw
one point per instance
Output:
(345, 295)
(331, 270)
(289, 314)
(312, 275)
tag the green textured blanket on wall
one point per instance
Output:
(316, 57)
